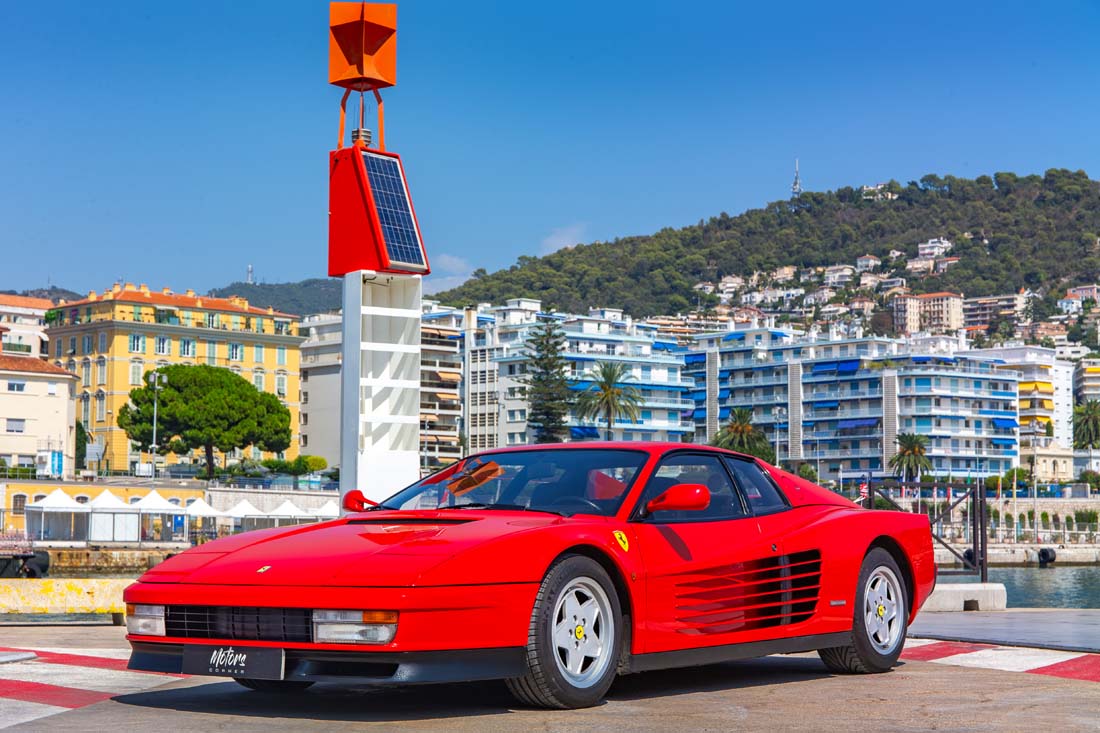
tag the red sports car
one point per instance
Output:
(554, 568)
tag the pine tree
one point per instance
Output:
(548, 394)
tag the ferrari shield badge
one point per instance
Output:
(264, 569)
(623, 541)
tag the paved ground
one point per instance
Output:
(1049, 628)
(79, 683)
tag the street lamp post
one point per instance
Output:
(157, 382)
(778, 411)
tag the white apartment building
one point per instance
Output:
(25, 322)
(320, 391)
(1045, 388)
(497, 357)
(37, 416)
(933, 248)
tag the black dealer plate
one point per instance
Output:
(229, 660)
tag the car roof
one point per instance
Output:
(651, 447)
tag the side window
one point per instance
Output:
(695, 469)
(758, 488)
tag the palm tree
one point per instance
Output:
(1086, 427)
(741, 435)
(911, 459)
(609, 397)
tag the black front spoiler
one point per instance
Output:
(377, 668)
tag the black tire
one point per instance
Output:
(31, 570)
(273, 685)
(545, 685)
(866, 654)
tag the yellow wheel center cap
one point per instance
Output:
(881, 610)
(579, 632)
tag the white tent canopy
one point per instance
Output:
(108, 502)
(113, 520)
(154, 503)
(199, 508)
(244, 508)
(58, 501)
(327, 510)
(57, 517)
(287, 509)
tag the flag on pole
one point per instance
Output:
(864, 488)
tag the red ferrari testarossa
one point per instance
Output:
(554, 568)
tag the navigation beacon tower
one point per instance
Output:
(796, 187)
(374, 244)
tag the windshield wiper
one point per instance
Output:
(515, 507)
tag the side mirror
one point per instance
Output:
(354, 501)
(681, 498)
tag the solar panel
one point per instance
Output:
(387, 184)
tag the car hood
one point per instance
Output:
(368, 549)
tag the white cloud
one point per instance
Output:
(566, 236)
(448, 271)
(450, 264)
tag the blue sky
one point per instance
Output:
(176, 143)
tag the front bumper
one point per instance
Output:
(377, 668)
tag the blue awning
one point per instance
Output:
(723, 394)
(824, 366)
(699, 414)
(699, 394)
(723, 373)
(665, 345)
(736, 336)
(666, 387)
(1003, 441)
(695, 358)
(921, 359)
(849, 366)
(946, 359)
(827, 404)
(1005, 423)
(808, 423)
(580, 433)
(860, 423)
(723, 413)
(579, 386)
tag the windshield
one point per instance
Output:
(564, 481)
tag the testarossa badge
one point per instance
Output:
(623, 541)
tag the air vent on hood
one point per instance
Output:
(410, 520)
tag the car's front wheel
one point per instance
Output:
(272, 685)
(575, 637)
(880, 619)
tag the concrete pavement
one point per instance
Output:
(773, 694)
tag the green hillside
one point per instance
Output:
(318, 295)
(1030, 231)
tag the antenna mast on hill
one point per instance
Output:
(248, 279)
(796, 187)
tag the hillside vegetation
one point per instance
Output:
(318, 295)
(1009, 231)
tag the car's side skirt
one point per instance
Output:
(730, 652)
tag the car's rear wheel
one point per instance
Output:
(574, 639)
(272, 685)
(880, 619)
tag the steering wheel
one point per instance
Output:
(579, 501)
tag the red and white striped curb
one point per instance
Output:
(1071, 665)
(61, 679)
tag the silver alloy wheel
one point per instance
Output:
(583, 632)
(881, 606)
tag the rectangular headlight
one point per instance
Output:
(354, 627)
(145, 619)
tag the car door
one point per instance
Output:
(804, 554)
(706, 577)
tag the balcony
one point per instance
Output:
(8, 347)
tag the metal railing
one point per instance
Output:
(975, 557)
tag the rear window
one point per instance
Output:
(760, 491)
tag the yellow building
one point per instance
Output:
(15, 495)
(111, 340)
